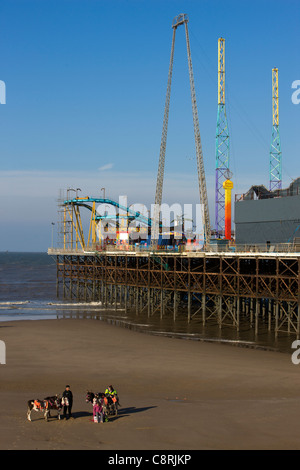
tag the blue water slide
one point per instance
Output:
(82, 202)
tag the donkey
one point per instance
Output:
(44, 406)
(112, 404)
(90, 396)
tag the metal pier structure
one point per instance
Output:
(222, 145)
(275, 150)
(179, 20)
(228, 289)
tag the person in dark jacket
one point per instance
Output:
(67, 401)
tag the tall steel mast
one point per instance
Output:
(179, 20)
(222, 144)
(275, 151)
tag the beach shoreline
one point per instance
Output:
(187, 395)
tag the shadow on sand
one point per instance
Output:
(122, 413)
(133, 409)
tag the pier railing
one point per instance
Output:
(279, 248)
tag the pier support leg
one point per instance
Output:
(269, 314)
(257, 305)
(137, 300)
(203, 304)
(125, 298)
(149, 301)
(276, 318)
(238, 303)
(219, 312)
(175, 306)
(251, 313)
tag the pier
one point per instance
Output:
(227, 289)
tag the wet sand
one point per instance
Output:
(175, 394)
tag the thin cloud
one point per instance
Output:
(108, 166)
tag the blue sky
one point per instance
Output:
(85, 92)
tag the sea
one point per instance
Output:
(28, 292)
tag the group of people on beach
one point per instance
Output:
(99, 403)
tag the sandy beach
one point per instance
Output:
(175, 394)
